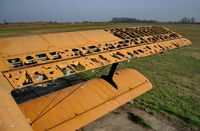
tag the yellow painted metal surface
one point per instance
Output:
(40, 58)
(71, 108)
(16, 46)
(36, 59)
(11, 117)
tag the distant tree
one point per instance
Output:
(50, 22)
(192, 20)
(5, 22)
(187, 20)
(184, 20)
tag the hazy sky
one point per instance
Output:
(97, 10)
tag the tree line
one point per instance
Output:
(130, 20)
(187, 20)
(184, 20)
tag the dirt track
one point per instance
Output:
(118, 121)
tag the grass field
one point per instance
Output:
(175, 74)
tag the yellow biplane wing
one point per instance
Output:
(30, 60)
(89, 101)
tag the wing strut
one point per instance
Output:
(109, 77)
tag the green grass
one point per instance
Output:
(139, 120)
(175, 74)
(32, 30)
(176, 79)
